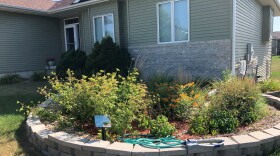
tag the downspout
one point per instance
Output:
(233, 36)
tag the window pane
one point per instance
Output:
(98, 29)
(109, 25)
(181, 20)
(165, 22)
(70, 38)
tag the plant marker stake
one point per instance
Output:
(102, 121)
(103, 134)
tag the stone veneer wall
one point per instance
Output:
(62, 144)
(199, 59)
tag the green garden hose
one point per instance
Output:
(167, 142)
(170, 142)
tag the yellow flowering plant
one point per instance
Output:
(190, 100)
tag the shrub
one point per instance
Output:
(199, 124)
(122, 99)
(47, 114)
(242, 97)
(11, 79)
(160, 127)
(108, 56)
(190, 100)
(222, 121)
(270, 85)
(74, 60)
(35, 77)
(236, 103)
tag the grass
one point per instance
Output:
(275, 75)
(13, 140)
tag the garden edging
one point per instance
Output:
(52, 143)
(63, 144)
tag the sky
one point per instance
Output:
(276, 24)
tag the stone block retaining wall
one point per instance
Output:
(63, 144)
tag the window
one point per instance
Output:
(173, 21)
(103, 27)
(71, 31)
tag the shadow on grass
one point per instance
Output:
(21, 137)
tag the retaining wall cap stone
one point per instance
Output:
(96, 146)
(142, 151)
(122, 149)
(37, 128)
(43, 134)
(263, 137)
(176, 151)
(58, 137)
(76, 143)
(198, 149)
(228, 144)
(246, 141)
(274, 132)
(277, 126)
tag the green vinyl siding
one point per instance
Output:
(26, 41)
(209, 20)
(249, 25)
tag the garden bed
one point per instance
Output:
(159, 108)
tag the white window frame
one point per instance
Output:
(172, 22)
(103, 28)
(76, 36)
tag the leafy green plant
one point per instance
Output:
(122, 99)
(222, 121)
(11, 79)
(108, 56)
(36, 76)
(242, 97)
(190, 100)
(74, 60)
(237, 102)
(160, 127)
(47, 114)
(199, 124)
(270, 85)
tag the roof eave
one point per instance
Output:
(10, 8)
(274, 4)
(79, 5)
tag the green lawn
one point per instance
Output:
(13, 140)
(275, 68)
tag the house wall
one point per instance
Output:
(26, 41)
(249, 24)
(87, 30)
(207, 54)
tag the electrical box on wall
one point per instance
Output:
(267, 23)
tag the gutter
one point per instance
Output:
(12, 8)
(233, 36)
